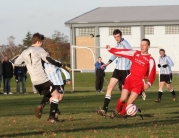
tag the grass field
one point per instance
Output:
(79, 118)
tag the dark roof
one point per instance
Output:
(129, 14)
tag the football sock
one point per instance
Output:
(119, 105)
(123, 111)
(45, 99)
(106, 102)
(160, 94)
(172, 92)
(53, 107)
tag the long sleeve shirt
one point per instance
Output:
(143, 65)
(121, 62)
(33, 57)
(54, 74)
(163, 61)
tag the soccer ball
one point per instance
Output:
(131, 109)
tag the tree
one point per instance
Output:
(11, 49)
(59, 38)
(27, 40)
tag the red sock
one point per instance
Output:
(119, 105)
(123, 112)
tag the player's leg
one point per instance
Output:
(43, 89)
(170, 88)
(161, 85)
(120, 103)
(39, 108)
(133, 96)
(53, 105)
(160, 92)
(107, 99)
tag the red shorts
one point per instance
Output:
(134, 84)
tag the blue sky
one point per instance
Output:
(17, 17)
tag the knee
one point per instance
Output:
(168, 87)
(54, 100)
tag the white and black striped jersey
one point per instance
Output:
(122, 63)
(163, 61)
(33, 57)
(54, 74)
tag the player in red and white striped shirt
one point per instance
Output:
(143, 66)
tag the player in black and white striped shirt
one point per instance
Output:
(165, 64)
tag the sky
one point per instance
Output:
(17, 17)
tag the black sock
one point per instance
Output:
(160, 95)
(53, 108)
(106, 103)
(173, 92)
(45, 100)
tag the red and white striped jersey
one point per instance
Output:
(143, 65)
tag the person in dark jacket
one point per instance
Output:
(0, 71)
(7, 69)
(20, 76)
(99, 75)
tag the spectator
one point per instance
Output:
(7, 69)
(0, 71)
(20, 76)
(99, 75)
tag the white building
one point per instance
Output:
(160, 24)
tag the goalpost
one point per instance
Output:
(89, 58)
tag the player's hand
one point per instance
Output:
(164, 66)
(68, 82)
(159, 65)
(107, 46)
(103, 66)
(146, 86)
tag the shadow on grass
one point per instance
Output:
(101, 127)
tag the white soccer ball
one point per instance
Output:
(131, 109)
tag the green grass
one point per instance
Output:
(79, 118)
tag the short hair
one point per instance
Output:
(99, 57)
(147, 40)
(37, 37)
(117, 31)
(162, 50)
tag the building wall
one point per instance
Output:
(85, 61)
(84, 58)
(169, 42)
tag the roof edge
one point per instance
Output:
(81, 15)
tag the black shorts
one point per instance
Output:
(166, 78)
(59, 89)
(120, 75)
(45, 88)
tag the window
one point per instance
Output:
(85, 31)
(172, 29)
(149, 30)
(124, 30)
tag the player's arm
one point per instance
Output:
(19, 61)
(126, 53)
(48, 59)
(169, 62)
(67, 75)
(152, 73)
(113, 57)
